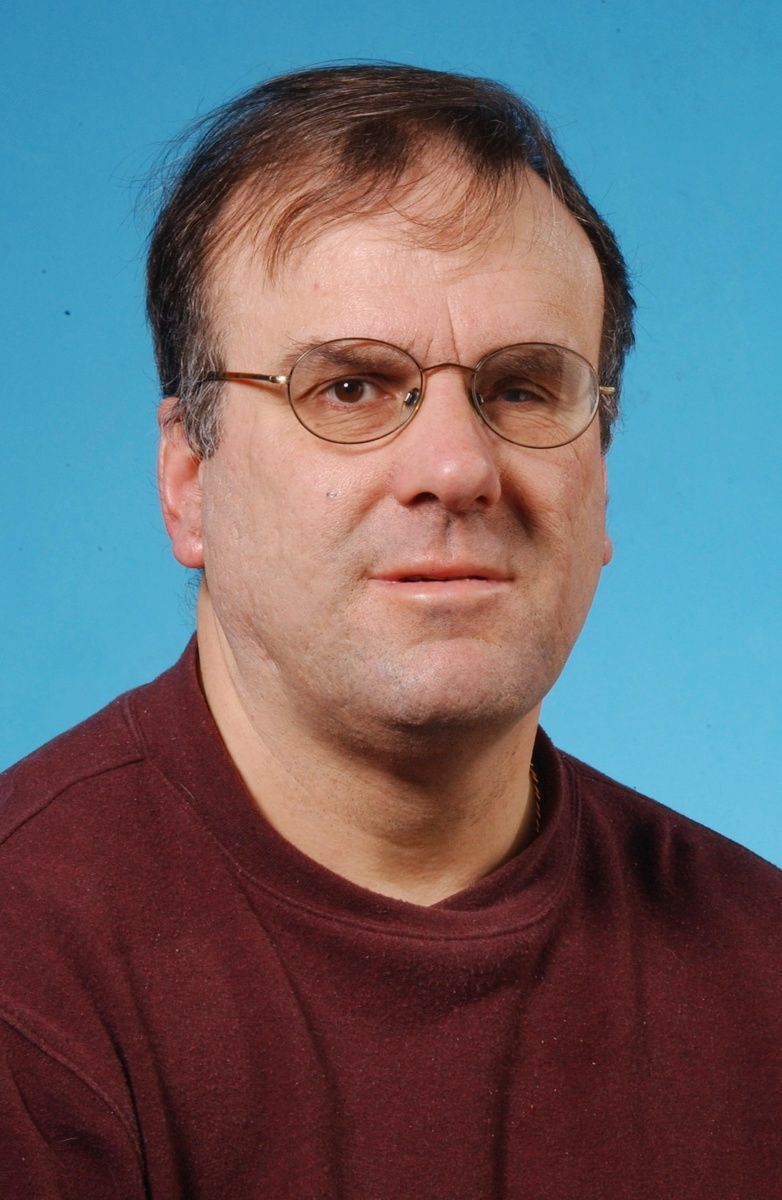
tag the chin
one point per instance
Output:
(459, 689)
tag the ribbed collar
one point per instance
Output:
(181, 740)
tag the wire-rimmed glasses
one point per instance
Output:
(356, 390)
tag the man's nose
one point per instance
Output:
(447, 453)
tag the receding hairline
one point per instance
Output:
(281, 219)
(440, 204)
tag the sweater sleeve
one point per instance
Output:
(60, 1138)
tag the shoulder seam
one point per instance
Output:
(680, 822)
(13, 1020)
(577, 766)
(82, 777)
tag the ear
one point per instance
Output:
(179, 484)
(608, 546)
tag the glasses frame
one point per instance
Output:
(284, 380)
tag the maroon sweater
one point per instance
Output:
(193, 1010)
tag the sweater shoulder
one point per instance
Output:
(105, 742)
(669, 855)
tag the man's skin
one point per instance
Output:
(385, 726)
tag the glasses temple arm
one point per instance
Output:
(239, 376)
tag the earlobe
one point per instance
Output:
(179, 484)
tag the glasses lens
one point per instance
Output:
(354, 390)
(536, 395)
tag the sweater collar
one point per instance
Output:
(181, 740)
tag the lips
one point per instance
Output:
(442, 573)
(438, 578)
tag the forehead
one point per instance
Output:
(418, 275)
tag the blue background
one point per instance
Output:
(669, 115)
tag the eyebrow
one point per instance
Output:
(294, 352)
(372, 353)
(544, 358)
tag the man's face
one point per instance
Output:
(314, 553)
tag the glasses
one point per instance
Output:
(357, 390)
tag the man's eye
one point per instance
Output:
(519, 391)
(518, 395)
(350, 391)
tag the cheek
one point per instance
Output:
(569, 510)
(240, 519)
(283, 509)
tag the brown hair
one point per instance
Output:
(315, 146)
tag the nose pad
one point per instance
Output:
(412, 398)
(477, 403)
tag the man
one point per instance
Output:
(320, 912)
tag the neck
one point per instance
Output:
(424, 819)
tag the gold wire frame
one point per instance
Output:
(284, 380)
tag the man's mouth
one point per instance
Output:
(443, 573)
(451, 583)
(437, 578)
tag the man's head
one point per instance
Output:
(436, 577)
(308, 150)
